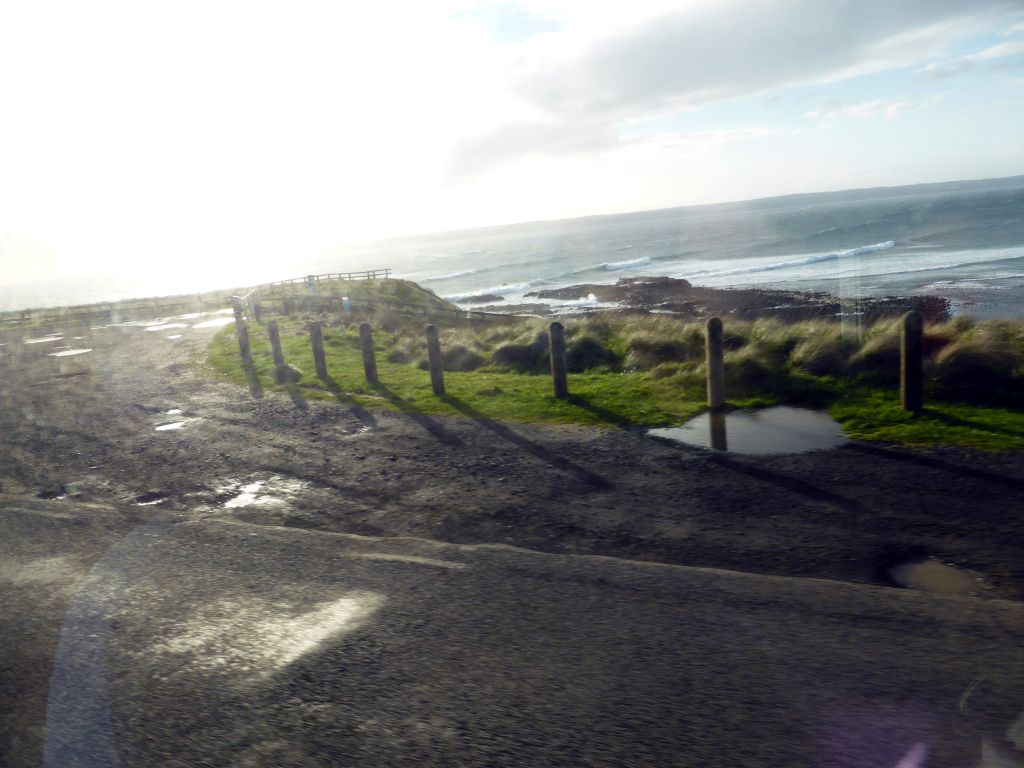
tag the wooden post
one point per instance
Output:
(237, 306)
(434, 358)
(257, 310)
(716, 367)
(911, 380)
(369, 360)
(242, 331)
(275, 343)
(556, 344)
(317, 338)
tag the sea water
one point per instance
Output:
(960, 240)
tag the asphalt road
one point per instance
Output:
(222, 643)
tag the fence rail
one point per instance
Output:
(369, 274)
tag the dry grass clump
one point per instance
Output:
(986, 365)
(824, 351)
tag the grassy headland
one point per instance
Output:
(638, 370)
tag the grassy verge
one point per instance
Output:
(765, 367)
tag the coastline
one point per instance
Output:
(679, 298)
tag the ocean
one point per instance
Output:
(960, 240)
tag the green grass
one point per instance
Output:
(875, 414)
(763, 369)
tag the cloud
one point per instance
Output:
(884, 108)
(714, 50)
(728, 49)
(966, 64)
(514, 141)
(510, 22)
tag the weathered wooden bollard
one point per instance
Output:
(715, 364)
(275, 343)
(257, 310)
(434, 361)
(238, 307)
(316, 337)
(556, 342)
(242, 331)
(369, 360)
(911, 379)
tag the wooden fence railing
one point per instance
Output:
(370, 274)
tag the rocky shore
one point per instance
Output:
(667, 295)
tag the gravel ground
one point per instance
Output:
(88, 480)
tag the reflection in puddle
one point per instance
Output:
(938, 578)
(169, 426)
(257, 635)
(215, 322)
(773, 430)
(43, 339)
(246, 497)
(175, 336)
(166, 326)
(273, 493)
(69, 352)
(173, 412)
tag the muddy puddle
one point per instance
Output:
(216, 322)
(275, 491)
(782, 429)
(165, 326)
(937, 577)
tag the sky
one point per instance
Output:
(141, 137)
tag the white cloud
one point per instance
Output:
(965, 64)
(710, 51)
(884, 108)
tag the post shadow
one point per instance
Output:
(539, 451)
(255, 387)
(431, 426)
(357, 410)
(297, 397)
(956, 421)
(933, 463)
(788, 483)
(620, 421)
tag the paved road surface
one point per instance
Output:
(217, 642)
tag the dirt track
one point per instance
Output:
(835, 514)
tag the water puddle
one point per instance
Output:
(937, 578)
(172, 412)
(175, 336)
(782, 429)
(216, 322)
(166, 326)
(43, 339)
(69, 352)
(246, 497)
(168, 426)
